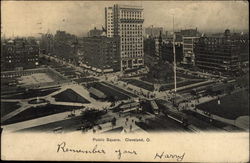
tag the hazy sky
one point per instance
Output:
(24, 18)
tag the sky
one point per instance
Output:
(29, 18)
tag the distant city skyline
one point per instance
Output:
(28, 18)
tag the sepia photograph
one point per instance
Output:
(164, 81)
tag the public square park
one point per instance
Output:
(58, 98)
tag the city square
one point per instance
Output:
(145, 81)
(126, 76)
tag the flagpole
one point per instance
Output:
(174, 57)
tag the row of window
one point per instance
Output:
(131, 49)
(131, 56)
(130, 14)
(138, 52)
(130, 44)
(125, 29)
(131, 32)
(131, 17)
(131, 41)
(131, 38)
(124, 62)
(130, 28)
(131, 25)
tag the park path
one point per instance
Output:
(11, 100)
(36, 122)
(77, 88)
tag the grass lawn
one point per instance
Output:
(162, 81)
(69, 73)
(9, 90)
(162, 124)
(37, 112)
(231, 107)
(119, 89)
(187, 76)
(7, 107)
(110, 93)
(140, 84)
(64, 69)
(70, 96)
(205, 120)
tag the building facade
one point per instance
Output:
(95, 32)
(126, 22)
(166, 51)
(218, 54)
(149, 46)
(188, 50)
(47, 43)
(157, 46)
(154, 32)
(190, 33)
(65, 45)
(101, 53)
(19, 54)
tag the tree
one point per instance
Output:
(160, 72)
(91, 115)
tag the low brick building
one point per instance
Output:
(19, 53)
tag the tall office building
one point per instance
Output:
(126, 22)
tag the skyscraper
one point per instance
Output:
(126, 23)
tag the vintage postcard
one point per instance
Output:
(159, 81)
